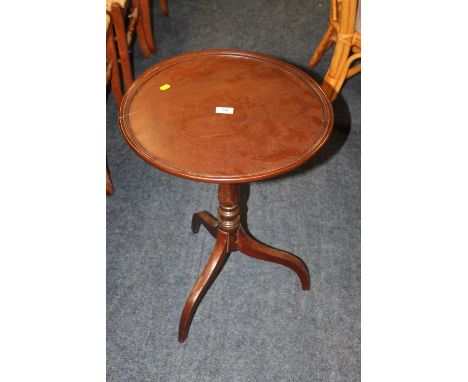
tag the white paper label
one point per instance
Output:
(224, 110)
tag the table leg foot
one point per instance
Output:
(251, 247)
(208, 221)
(215, 263)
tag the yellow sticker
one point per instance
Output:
(165, 87)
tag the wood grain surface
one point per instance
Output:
(280, 119)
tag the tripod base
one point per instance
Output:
(231, 237)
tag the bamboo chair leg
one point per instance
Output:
(353, 71)
(122, 45)
(140, 31)
(330, 82)
(332, 85)
(347, 72)
(163, 6)
(324, 45)
(146, 18)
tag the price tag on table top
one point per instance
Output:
(224, 110)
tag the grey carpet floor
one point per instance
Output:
(255, 323)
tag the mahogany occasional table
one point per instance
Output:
(226, 117)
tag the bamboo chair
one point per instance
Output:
(112, 77)
(345, 31)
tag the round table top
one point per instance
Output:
(225, 116)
